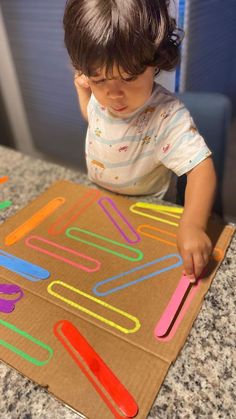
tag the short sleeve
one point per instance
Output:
(179, 145)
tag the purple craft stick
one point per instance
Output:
(7, 306)
(112, 203)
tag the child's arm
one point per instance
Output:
(84, 93)
(193, 243)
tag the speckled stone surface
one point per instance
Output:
(201, 383)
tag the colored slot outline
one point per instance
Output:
(66, 249)
(153, 217)
(176, 309)
(95, 369)
(22, 267)
(217, 252)
(7, 306)
(34, 220)
(71, 215)
(150, 227)
(92, 313)
(113, 205)
(141, 279)
(90, 233)
(4, 179)
(5, 204)
(21, 353)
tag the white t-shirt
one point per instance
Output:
(135, 155)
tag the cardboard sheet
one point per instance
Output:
(109, 270)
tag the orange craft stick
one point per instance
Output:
(34, 221)
(4, 179)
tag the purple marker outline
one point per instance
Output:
(112, 203)
(7, 306)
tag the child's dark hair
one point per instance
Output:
(131, 34)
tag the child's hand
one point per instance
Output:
(195, 248)
(83, 91)
(81, 81)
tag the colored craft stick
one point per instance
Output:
(23, 268)
(173, 306)
(95, 263)
(218, 254)
(105, 239)
(34, 221)
(141, 229)
(181, 314)
(74, 212)
(7, 306)
(4, 179)
(5, 204)
(96, 301)
(30, 338)
(141, 268)
(122, 220)
(136, 210)
(95, 369)
(160, 208)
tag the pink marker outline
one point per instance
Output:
(66, 249)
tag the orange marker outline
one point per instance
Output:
(72, 214)
(152, 236)
(217, 252)
(34, 221)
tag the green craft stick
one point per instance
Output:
(5, 204)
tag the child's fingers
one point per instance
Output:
(188, 265)
(81, 80)
(200, 262)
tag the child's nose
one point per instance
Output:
(115, 91)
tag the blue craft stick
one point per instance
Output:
(22, 267)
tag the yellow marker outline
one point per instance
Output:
(153, 217)
(91, 313)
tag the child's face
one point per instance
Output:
(120, 96)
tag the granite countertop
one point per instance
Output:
(201, 383)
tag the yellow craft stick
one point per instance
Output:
(160, 208)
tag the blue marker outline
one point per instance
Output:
(136, 281)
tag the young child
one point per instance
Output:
(138, 132)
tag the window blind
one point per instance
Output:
(45, 77)
(209, 52)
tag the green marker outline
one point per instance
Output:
(29, 337)
(130, 258)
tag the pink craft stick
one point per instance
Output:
(172, 307)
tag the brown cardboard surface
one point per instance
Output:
(138, 359)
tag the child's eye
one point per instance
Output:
(132, 78)
(98, 81)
